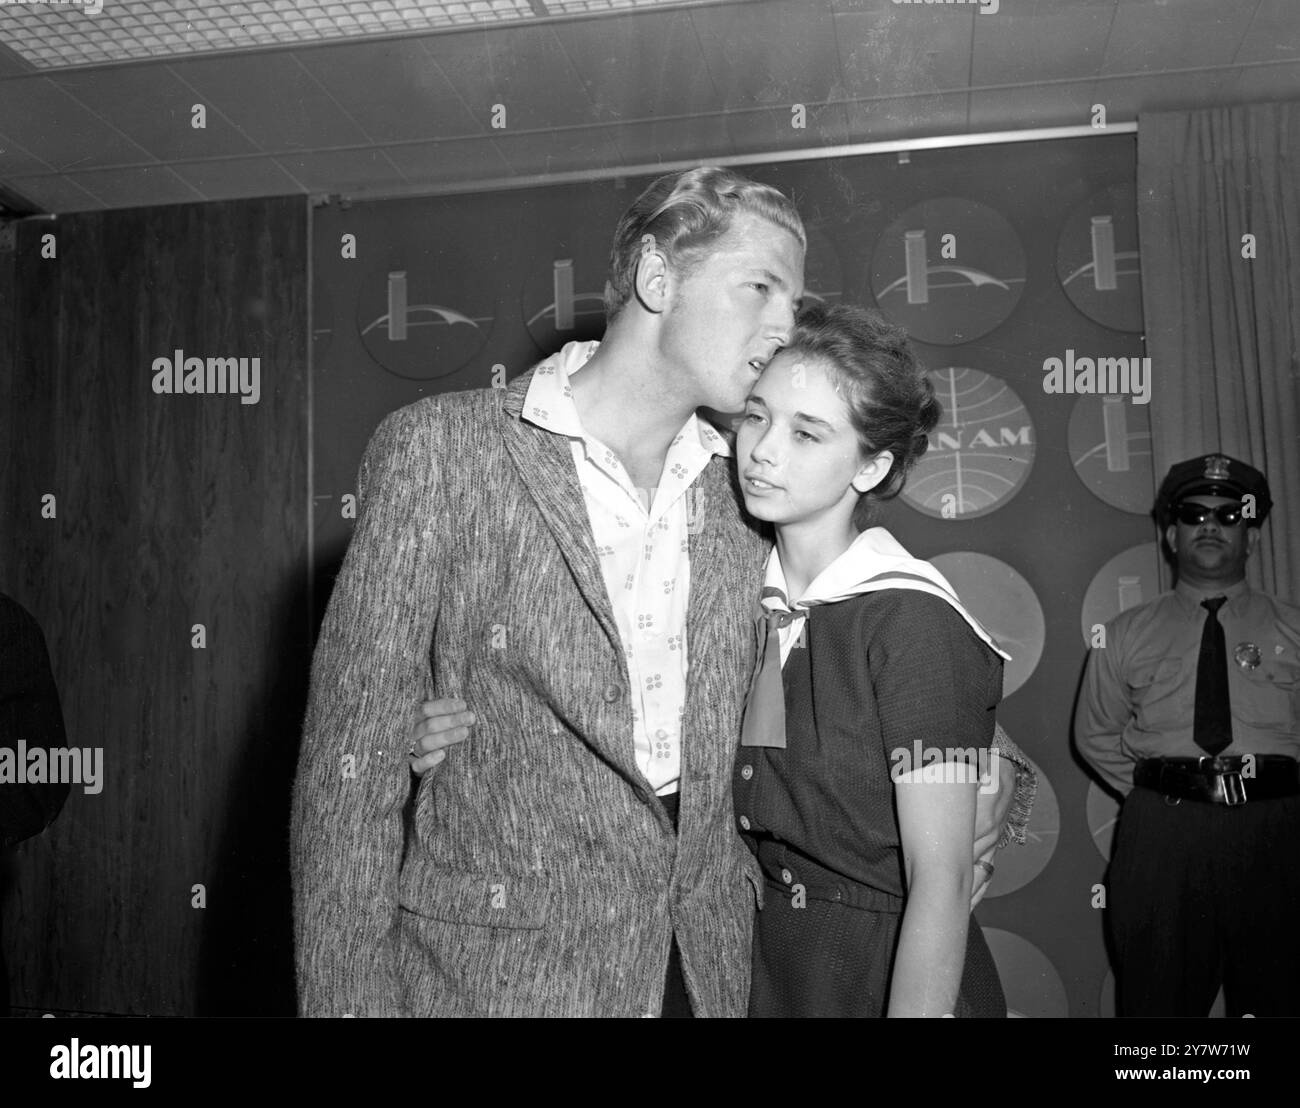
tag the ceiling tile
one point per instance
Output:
(1156, 34)
(15, 160)
(1268, 82)
(667, 140)
(1274, 33)
(138, 187)
(895, 50)
(523, 68)
(772, 53)
(640, 66)
(450, 160)
(1041, 44)
(271, 99)
(337, 170)
(1068, 104)
(559, 151)
(149, 105)
(57, 194)
(908, 116)
(230, 178)
(40, 116)
(394, 90)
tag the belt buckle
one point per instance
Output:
(1234, 790)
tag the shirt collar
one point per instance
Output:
(549, 404)
(875, 560)
(1192, 596)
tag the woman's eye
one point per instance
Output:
(759, 285)
(807, 437)
(752, 417)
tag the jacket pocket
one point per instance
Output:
(476, 899)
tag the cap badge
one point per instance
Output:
(1216, 468)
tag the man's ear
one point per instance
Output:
(652, 277)
(873, 472)
(1171, 532)
(1252, 540)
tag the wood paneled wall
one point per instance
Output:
(172, 511)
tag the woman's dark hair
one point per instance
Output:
(891, 402)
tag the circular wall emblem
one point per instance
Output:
(565, 300)
(1016, 867)
(1097, 259)
(425, 312)
(981, 452)
(949, 270)
(1127, 580)
(1004, 603)
(1030, 981)
(1110, 446)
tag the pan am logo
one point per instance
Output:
(1110, 446)
(406, 321)
(555, 311)
(981, 452)
(948, 270)
(1097, 259)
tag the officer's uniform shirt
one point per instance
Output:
(1139, 690)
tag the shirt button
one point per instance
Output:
(746, 772)
(612, 692)
(787, 876)
(744, 823)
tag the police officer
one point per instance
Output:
(1189, 709)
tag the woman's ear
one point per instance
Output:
(873, 471)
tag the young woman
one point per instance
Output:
(871, 712)
(860, 803)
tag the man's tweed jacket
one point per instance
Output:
(541, 875)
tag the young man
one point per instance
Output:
(571, 556)
(1190, 712)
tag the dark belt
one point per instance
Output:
(1220, 780)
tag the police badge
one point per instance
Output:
(1247, 655)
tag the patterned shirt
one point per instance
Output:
(1139, 690)
(644, 556)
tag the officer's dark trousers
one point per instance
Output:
(1202, 895)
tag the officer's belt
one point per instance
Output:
(1220, 780)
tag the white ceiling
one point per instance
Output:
(597, 92)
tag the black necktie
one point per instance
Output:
(1212, 723)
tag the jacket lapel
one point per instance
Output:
(545, 466)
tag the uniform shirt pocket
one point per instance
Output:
(1162, 691)
(1268, 696)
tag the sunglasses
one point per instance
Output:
(1227, 515)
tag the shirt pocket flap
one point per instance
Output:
(1161, 669)
(478, 899)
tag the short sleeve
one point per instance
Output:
(935, 681)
